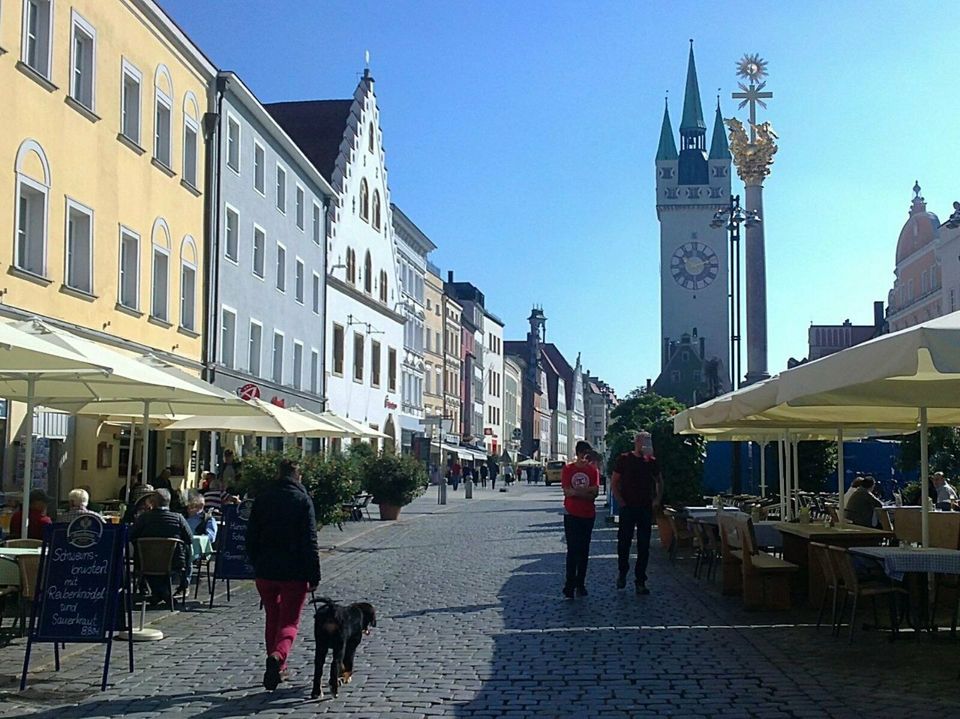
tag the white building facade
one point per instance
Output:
(493, 437)
(512, 396)
(364, 324)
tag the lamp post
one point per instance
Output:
(732, 217)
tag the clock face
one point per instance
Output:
(694, 265)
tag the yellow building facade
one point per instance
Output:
(102, 198)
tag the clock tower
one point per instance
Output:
(694, 257)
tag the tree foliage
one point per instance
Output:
(680, 456)
(815, 462)
(944, 451)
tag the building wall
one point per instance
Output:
(493, 399)
(249, 291)
(433, 345)
(71, 152)
(354, 301)
(512, 395)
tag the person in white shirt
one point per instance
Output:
(946, 494)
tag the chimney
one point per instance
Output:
(649, 384)
(878, 314)
(450, 276)
(666, 350)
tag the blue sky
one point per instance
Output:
(520, 137)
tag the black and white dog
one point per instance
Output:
(339, 629)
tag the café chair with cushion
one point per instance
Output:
(155, 559)
(945, 534)
(852, 587)
(23, 543)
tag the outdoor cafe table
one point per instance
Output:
(796, 549)
(765, 532)
(10, 571)
(899, 561)
(202, 546)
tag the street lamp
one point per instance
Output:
(731, 217)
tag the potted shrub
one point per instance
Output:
(331, 482)
(394, 481)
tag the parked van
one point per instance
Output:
(554, 470)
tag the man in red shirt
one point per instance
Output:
(580, 482)
(38, 519)
(637, 486)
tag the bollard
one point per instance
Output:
(468, 489)
(442, 491)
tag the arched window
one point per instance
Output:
(383, 286)
(188, 284)
(33, 189)
(159, 304)
(370, 138)
(364, 201)
(162, 117)
(351, 266)
(376, 209)
(191, 131)
(368, 274)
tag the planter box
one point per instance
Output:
(389, 511)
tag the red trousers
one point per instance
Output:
(283, 603)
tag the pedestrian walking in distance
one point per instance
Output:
(580, 482)
(638, 488)
(282, 547)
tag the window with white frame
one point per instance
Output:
(163, 105)
(83, 61)
(130, 102)
(281, 268)
(299, 281)
(254, 348)
(375, 363)
(231, 234)
(300, 207)
(31, 226)
(259, 248)
(314, 371)
(78, 273)
(129, 294)
(259, 163)
(188, 284)
(161, 276)
(233, 143)
(317, 223)
(316, 293)
(278, 357)
(228, 337)
(357, 357)
(281, 189)
(37, 35)
(297, 364)
(191, 131)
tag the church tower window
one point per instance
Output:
(370, 138)
(351, 266)
(383, 286)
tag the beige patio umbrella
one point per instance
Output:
(915, 371)
(355, 428)
(270, 420)
(28, 365)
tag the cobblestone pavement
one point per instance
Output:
(471, 624)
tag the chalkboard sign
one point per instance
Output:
(232, 561)
(79, 583)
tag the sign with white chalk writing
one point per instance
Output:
(232, 561)
(79, 584)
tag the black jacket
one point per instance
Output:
(282, 534)
(169, 525)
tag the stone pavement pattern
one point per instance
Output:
(471, 624)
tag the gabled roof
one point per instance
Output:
(558, 363)
(317, 126)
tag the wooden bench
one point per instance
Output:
(730, 559)
(766, 579)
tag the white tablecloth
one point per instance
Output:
(898, 561)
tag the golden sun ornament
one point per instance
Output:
(752, 67)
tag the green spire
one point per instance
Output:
(692, 119)
(667, 149)
(719, 149)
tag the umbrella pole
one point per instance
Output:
(133, 431)
(840, 475)
(795, 474)
(782, 471)
(146, 437)
(763, 469)
(27, 458)
(924, 479)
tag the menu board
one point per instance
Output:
(79, 583)
(232, 561)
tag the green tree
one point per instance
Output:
(815, 462)
(943, 447)
(680, 456)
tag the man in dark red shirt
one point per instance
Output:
(580, 482)
(637, 486)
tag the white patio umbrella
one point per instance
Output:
(355, 428)
(27, 364)
(270, 420)
(915, 370)
(132, 386)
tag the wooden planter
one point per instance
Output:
(665, 530)
(389, 511)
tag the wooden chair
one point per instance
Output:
(23, 543)
(853, 587)
(730, 555)
(682, 535)
(906, 523)
(711, 546)
(821, 555)
(945, 534)
(155, 559)
(29, 565)
(700, 544)
(766, 579)
(885, 522)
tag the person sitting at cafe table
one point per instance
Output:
(38, 519)
(200, 521)
(859, 508)
(946, 494)
(78, 500)
(159, 521)
(213, 492)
